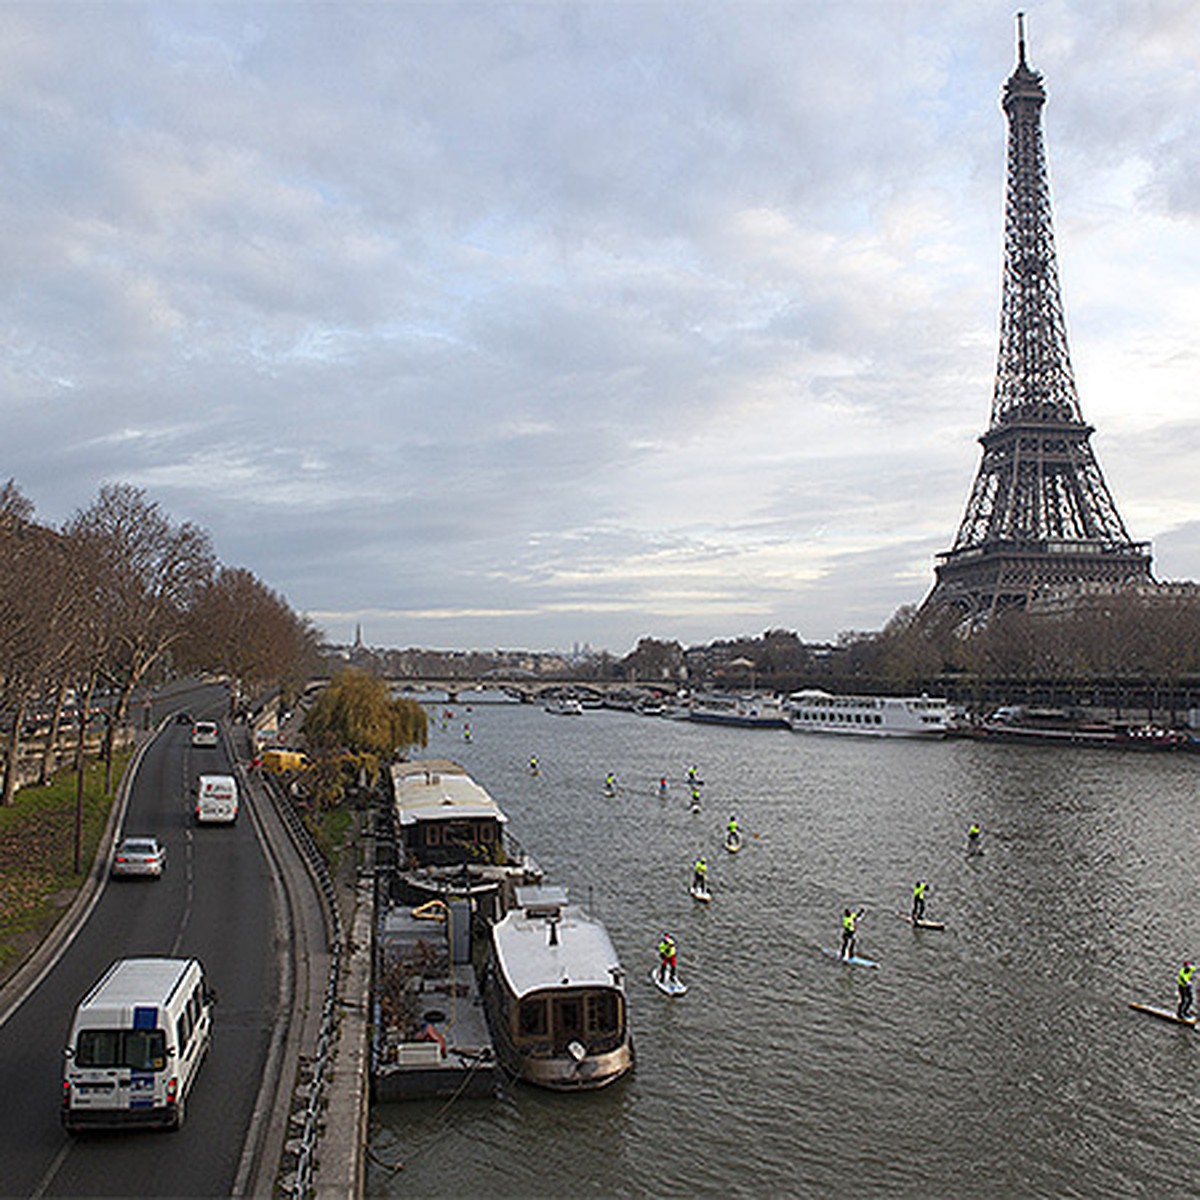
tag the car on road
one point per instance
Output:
(204, 733)
(139, 857)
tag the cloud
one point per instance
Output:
(541, 324)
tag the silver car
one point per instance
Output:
(139, 856)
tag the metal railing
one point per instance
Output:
(302, 1181)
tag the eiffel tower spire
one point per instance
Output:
(1040, 514)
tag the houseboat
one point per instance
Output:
(452, 838)
(554, 993)
(752, 712)
(815, 711)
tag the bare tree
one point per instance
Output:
(150, 572)
(39, 610)
(239, 626)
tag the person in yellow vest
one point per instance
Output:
(850, 931)
(700, 875)
(1184, 979)
(666, 958)
(733, 836)
(918, 908)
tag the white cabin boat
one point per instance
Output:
(815, 711)
(754, 712)
(554, 991)
(564, 706)
(452, 836)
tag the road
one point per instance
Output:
(214, 902)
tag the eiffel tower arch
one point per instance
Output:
(1040, 514)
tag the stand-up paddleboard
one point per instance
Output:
(700, 894)
(668, 987)
(974, 852)
(852, 961)
(1164, 1014)
(695, 808)
(733, 845)
(921, 922)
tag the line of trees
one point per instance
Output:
(118, 597)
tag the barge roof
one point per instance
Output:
(573, 949)
(439, 790)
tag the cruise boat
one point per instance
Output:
(451, 837)
(564, 706)
(756, 712)
(554, 992)
(815, 711)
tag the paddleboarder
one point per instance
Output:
(973, 838)
(662, 787)
(666, 958)
(533, 764)
(1184, 979)
(918, 908)
(850, 931)
(732, 834)
(700, 875)
(610, 784)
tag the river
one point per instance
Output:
(996, 1058)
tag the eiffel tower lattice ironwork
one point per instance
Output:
(1040, 514)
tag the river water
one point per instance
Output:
(996, 1058)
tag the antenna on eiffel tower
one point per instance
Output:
(1040, 514)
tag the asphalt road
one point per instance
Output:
(214, 902)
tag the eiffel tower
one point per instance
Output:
(1040, 514)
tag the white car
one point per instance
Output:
(139, 856)
(204, 733)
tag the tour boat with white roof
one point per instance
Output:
(816, 711)
(748, 712)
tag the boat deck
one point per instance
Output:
(432, 1038)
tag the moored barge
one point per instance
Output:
(554, 992)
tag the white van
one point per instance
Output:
(216, 799)
(136, 1044)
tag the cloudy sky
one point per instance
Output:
(493, 324)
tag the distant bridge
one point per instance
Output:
(527, 691)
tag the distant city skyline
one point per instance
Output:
(528, 325)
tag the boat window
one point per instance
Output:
(532, 1018)
(568, 1016)
(433, 835)
(487, 833)
(601, 1012)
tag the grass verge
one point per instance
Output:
(37, 855)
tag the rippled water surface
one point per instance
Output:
(996, 1058)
